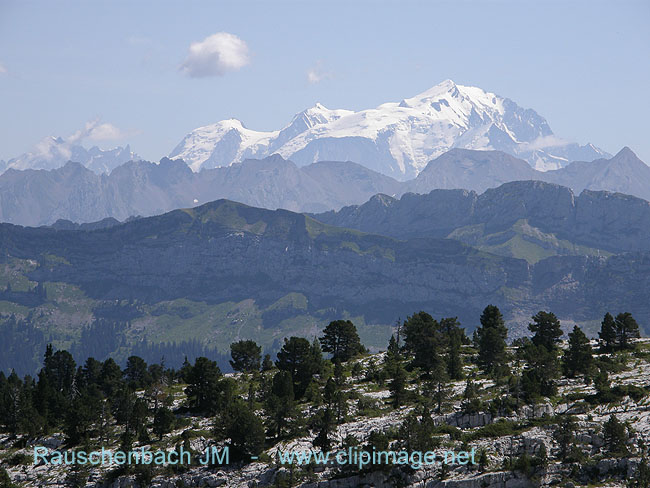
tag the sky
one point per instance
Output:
(148, 72)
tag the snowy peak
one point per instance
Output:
(54, 152)
(396, 138)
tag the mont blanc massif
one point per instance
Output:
(444, 203)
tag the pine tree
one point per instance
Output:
(246, 432)
(202, 385)
(397, 382)
(578, 358)
(246, 356)
(626, 329)
(607, 333)
(267, 363)
(280, 405)
(341, 340)
(547, 330)
(325, 427)
(541, 370)
(455, 336)
(491, 341)
(471, 401)
(393, 352)
(425, 341)
(163, 421)
(615, 436)
(440, 391)
(302, 360)
(564, 435)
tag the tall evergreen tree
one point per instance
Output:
(626, 329)
(424, 340)
(454, 338)
(615, 436)
(578, 358)
(607, 333)
(564, 435)
(202, 391)
(491, 341)
(547, 329)
(280, 405)
(246, 356)
(341, 340)
(246, 432)
(540, 373)
(471, 397)
(302, 360)
(397, 382)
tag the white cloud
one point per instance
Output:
(3, 70)
(96, 131)
(544, 142)
(215, 56)
(317, 74)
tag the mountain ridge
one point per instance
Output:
(396, 138)
(54, 152)
(226, 254)
(41, 197)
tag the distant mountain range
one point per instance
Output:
(529, 220)
(55, 152)
(397, 139)
(480, 170)
(224, 270)
(77, 194)
(74, 193)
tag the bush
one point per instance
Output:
(497, 429)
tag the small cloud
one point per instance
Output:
(544, 142)
(317, 74)
(96, 131)
(215, 56)
(3, 70)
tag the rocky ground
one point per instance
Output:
(529, 430)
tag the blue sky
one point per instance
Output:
(585, 66)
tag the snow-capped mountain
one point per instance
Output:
(396, 138)
(54, 152)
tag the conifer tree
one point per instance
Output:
(280, 405)
(564, 435)
(302, 360)
(626, 329)
(607, 333)
(246, 356)
(547, 330)
(246, 432)
(578, 358)
(425, 341)
(341, 340)
(397, 382)
(471, 401)
(491, 341)
(615, 436)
